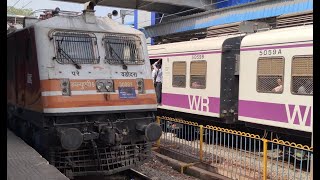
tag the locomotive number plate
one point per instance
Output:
(127, 93)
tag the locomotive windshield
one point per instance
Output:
(76, 48)
(123, 49)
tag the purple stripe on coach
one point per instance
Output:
(175, 100)
(277, 47)
(271, 111)
(182, 101)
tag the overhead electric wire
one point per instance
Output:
(16, 3)
(26, 4)
(13, 5)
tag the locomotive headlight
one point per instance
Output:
(109, 86)
(100, 85)
(105, 85)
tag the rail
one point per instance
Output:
(236, 154)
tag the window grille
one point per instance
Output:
(76, 48)
(123, 49)
(198, 71)
(302, 75)
(179, 74)
(270, 75)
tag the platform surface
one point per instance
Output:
(25, 163)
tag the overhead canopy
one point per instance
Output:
(162, 6)
(250, 11)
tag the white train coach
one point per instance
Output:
(264, 79)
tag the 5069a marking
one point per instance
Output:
(270, 52)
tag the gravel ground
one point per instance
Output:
(159, 171)
(234, 162)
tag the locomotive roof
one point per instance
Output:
(278, 36)
(195, 45)
(78, 23)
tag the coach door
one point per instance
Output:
(229, 92)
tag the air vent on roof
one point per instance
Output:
(252, 26)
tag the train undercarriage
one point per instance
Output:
(81, 145)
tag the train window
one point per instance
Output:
(270, 74)
(302, 75)
(198, 71)
(123, 49)
(179, 74)
(76, 48)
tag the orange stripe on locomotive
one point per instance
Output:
(55, 84)
(83, 99)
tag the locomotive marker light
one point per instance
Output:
(65, 87)
(140, 84)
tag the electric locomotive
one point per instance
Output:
(79, 90)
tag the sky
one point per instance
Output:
(49, 4)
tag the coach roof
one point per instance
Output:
(214, 43)
(279, 36)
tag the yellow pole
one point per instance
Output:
(201, 142)
(265, 159)
(158, 121)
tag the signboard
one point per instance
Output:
(127, 92)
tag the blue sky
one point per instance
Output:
(49, 4)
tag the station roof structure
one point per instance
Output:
(250, 11)
(162, 6)
(15, 18)
(200, 14)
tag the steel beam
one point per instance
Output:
(250, 11)
(163, 6)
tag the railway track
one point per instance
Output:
(136, 175)
(130, 174)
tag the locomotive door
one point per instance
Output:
(20, 72)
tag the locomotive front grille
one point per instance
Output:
(107, 161)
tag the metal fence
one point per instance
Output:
(236, 154)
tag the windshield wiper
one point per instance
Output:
(124, 66)
(66, 55)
